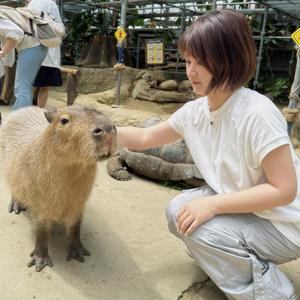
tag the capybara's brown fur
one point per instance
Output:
(50, 161)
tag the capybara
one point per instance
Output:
(50, 162)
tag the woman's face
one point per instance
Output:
(199, 76)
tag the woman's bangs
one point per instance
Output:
(188, 47)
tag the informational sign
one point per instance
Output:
(120, 34)
(296, 36)
(155, 52)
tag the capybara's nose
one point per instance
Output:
(102, 129)
(98, 131)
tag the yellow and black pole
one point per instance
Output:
(120, 35)
(291, 112)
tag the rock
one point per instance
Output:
(139, 75)
(168, 85)
(109, 97)
(152, 76)
(147, 76)
(143, 91)
(184, 86)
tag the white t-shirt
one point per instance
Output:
(229, 144)
(49, 6)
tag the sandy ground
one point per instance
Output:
(133, 255)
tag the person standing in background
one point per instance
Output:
(30, 57)
(49, 73)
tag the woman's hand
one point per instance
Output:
(7, 46)
(194, 214)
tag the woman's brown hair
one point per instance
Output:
(222, 42)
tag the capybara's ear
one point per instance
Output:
(50, 113)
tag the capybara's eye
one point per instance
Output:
(64, 121)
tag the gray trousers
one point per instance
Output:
(239, 252)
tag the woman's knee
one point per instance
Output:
(174, 206)
(179, 201)
(172, 210)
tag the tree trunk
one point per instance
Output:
(101, 52)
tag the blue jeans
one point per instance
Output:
(28, 65)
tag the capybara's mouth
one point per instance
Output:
(106, 150)
(106, 153)
(103, 157)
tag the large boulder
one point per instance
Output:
(144, 90)
(151, 76)
(168, 85)
(185, 86)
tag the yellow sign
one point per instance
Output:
(120, 34)
(155, 52)
(296, 36)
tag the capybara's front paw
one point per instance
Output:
(15, 206)
(40, 261)
(77, 252)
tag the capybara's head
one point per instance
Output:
(78, 133)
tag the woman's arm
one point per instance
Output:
(150, 137)
(8, 45)
(280, 189)
(12, 33)
(9, 29)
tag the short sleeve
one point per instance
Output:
(8, 29)
(266, 131)
(49, 7)
(178, 118)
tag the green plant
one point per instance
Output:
(90, 23)
(278, 87)
(133, 19)
(175, 185)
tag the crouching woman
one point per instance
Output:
(246, 221)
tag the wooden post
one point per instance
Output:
(71, 83)
(7, 85)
